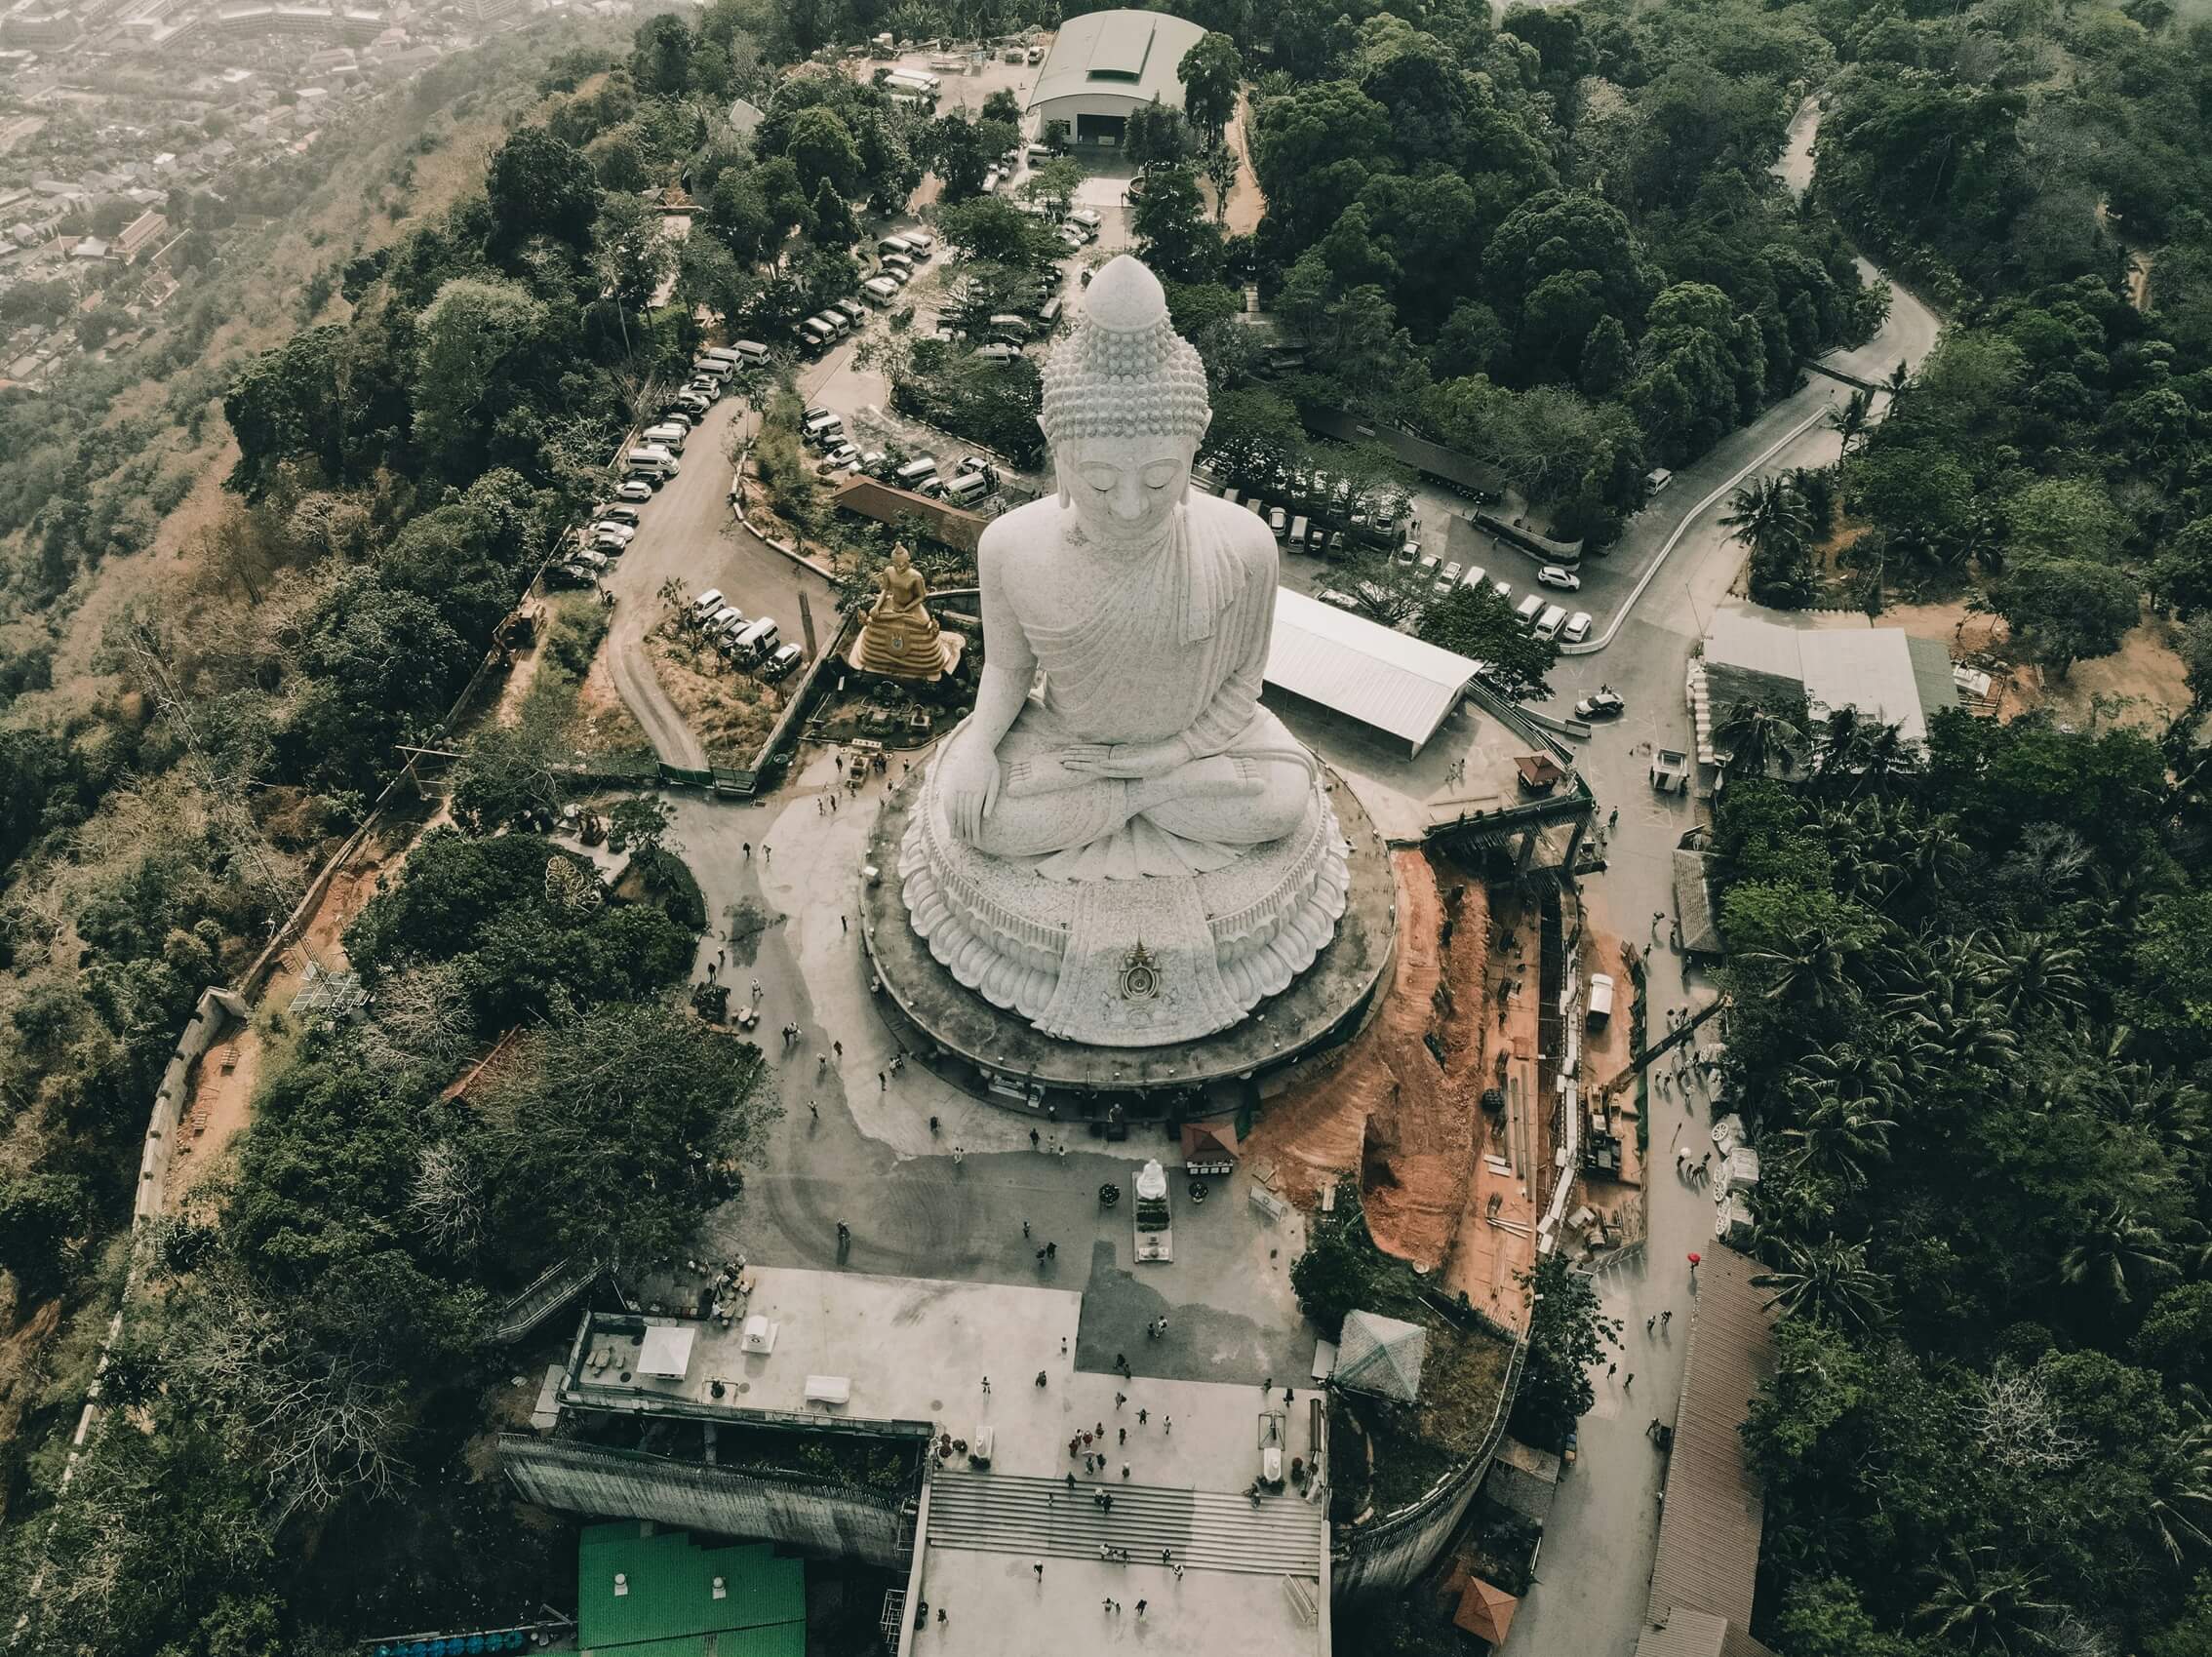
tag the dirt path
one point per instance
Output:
(1247, 206)
(1387, 1109)
(221, 1105)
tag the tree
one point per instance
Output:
(820, 146)
(1341, 1269)
(1976, 1603)
(660, 1109)
(2066, 608)
(738, 213)
(2182, 575)
(540, 186)
(1755, 738)
(1827, 1281)
(1173, 234)
(1475, 622)
(834, 225)
(1567, 1335)
(957, 152)
(1155, 137)
(1055, 183)
(1213, 73)
(2114, 1253)
(467, 339)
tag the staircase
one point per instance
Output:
(996, 1512)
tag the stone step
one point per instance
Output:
(1203, 1529)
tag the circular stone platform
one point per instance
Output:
(1326, 1000)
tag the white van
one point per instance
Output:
(894, 244)
(967, 488)
(818, 428)
(879, 291)
(706, 604)
(920, 243)
(915, 473)
(1298, 532)
(1529, 610)
(668, 435)
(756, 641)
(651, 460)
(1555, 617)
(726, 619)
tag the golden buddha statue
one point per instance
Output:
(901, 639)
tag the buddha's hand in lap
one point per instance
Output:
(1129, 761)
(969, 780)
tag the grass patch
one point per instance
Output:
(728, 710)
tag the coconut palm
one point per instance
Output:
(1977, 1604)
(2030, 974)
(1827, 1282)
(1852, 418)
(1859, 1075)
(1755, 737)
(2116, 1255)
(1769, 516)
(1811, 969)
(2181, 1489)
(1839, 1140)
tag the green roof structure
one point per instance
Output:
(642, 1592)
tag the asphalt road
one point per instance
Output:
(1595, 1570)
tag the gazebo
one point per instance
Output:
(1381, 1356)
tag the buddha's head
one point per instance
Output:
(900, 557)
(1124, 408)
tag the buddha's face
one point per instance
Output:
(900, 557)
(1122, 489)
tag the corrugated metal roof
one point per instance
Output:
(1685, 1633)
(1134, 54)
(1708, 1530)
(1357, 667)
(1883, 672)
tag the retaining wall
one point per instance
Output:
(1390, 1554)
(826, 1521)
(217, 1012)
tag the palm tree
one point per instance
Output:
(1900, 376)
(1975, 1604)
(1852, 418)
(1754, 735)
(1813, 970)
(1827, 1282)
(2116, 1253)
(1839, 1140)
(2030, 974)
(2181, 1488)
(1769, 516)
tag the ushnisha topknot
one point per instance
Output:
(1122, 370)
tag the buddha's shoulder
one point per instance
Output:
(1231, 527)
(1022, 535)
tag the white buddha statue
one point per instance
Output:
(1118, 736)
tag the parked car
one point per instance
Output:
(633, 489)
(997, 351)
(1561, 576)
(629, 515)
(624, 533)
(1342, 601)
(1448, 579)
(782, 661)
(571, 575)
(1577, 628)
(1604, 702)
